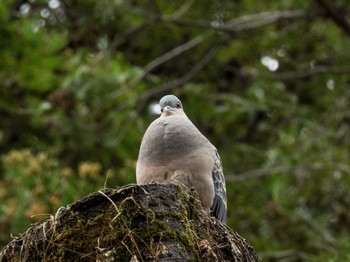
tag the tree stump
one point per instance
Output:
(155, 222)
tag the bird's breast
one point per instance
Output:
(170, 138)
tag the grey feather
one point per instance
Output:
(219, 205)
(174, 150)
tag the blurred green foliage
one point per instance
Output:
(35, 186)
(267, 82)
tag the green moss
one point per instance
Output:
(94, 228)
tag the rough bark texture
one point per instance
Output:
(155, 222)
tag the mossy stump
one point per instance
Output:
(155, 222)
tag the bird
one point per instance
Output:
(174, 150)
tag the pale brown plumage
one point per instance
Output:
(174, 150)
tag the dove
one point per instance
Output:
(173, 150)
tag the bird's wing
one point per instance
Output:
(219, 205)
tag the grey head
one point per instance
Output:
(170, 103)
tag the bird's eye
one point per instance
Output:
(161, 110)
(178, 105)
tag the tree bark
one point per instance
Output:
(155, 222)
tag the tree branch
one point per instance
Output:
(184, 79)
(311, 71)
(160, 60)
(256, 173)
(300, 73)
(237, 25)
(244, 23)
(327, 236)
(284, 254)
(339, 19)
(183, 9)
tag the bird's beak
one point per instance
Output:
(168, 109)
